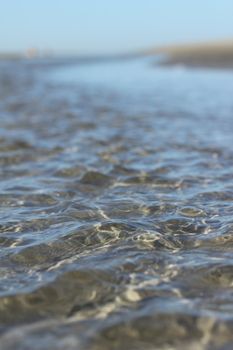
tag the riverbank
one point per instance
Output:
(208, 55)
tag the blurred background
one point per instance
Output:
(77, 27)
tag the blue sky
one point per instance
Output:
(109, 26)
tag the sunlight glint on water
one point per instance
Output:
(116, 206)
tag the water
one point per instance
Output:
(116, 206)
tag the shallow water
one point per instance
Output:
(116, 203)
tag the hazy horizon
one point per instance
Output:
(100, 27)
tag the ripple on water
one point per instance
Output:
(116, 208)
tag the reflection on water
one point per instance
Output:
(116, 206)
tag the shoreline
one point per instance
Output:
(216, 55)
(206, 55)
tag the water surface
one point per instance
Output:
(116, 206)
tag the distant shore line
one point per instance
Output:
(206, 55)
